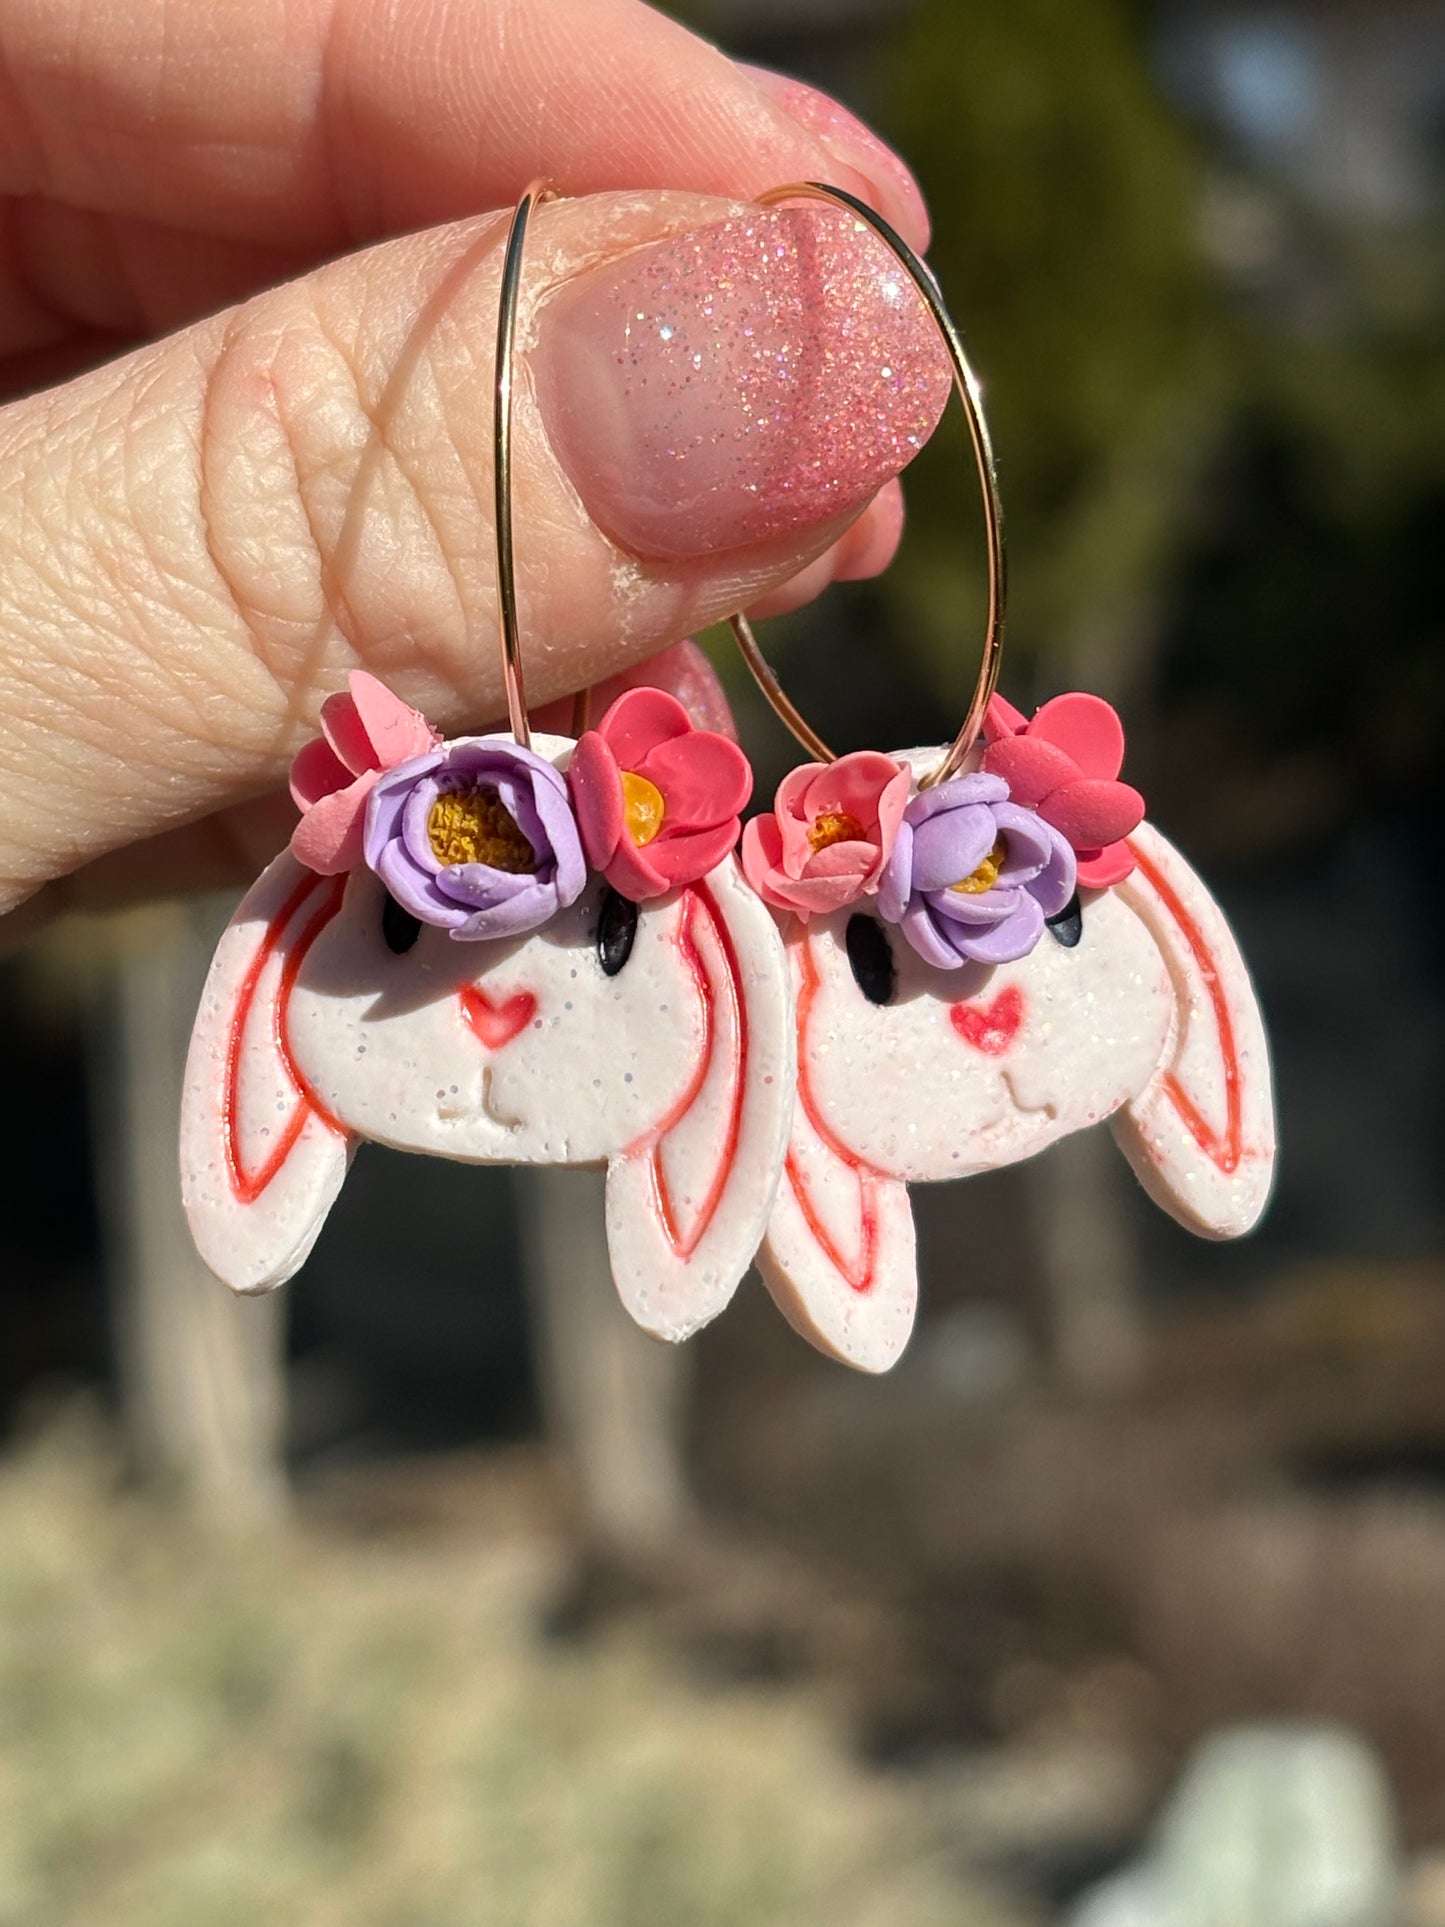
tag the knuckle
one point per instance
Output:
(337, 488)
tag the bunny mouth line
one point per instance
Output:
(1048, 1109)
(492, 1110)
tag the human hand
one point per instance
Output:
(200, 537)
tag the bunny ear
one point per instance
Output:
(687, 1205)
(1200, 1135)
(839, 1255)
(261, 1159)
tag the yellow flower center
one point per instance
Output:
(834, 826)
(475, 826)
(642, 807)
(986, 875)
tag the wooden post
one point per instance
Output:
(615, 1399)
(202, 1372)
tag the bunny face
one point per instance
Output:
(928, 1074)
(659, 1040)
(908, 1072)
(535, 1050)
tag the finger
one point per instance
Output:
(198, 543)
(854, 145)
(295, 128)
(864, 550)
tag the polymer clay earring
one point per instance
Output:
(502, 949)
(991, 949)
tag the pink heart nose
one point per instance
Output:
(990, 1028)
(494, 1025)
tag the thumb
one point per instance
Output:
(198, 542)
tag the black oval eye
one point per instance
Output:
(616, 929)
(871, 956)
(400, 928)
(1068, 926)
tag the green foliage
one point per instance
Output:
(314, 1730)
(1062, 194)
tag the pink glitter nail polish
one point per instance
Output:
(733, 384)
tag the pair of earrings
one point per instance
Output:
(543, 949)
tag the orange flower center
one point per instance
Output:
(642, 808)
(834, 826)
(475, 826)
(986, 875)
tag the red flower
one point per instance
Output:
(362, 733)
(1064, 762)
(657, 800)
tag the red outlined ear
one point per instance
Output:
(687, 1204)
(261, 1159)
(1201, 1134)
(839, 1254)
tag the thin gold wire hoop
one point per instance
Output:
(532, 196)
(966, 383)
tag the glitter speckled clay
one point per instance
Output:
(1148, 1020)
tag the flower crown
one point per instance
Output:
(973, 869)
(484, 838)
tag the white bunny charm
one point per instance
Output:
(502, 950)
(990, 949)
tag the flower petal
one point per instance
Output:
(950, 845)
(981, 912)
(852, 786)
(386, 806)
(317, 771)
(790, 808)
(761, 851)
(858, 860)
(1084, 727)
(1014, 938)
(1053, 888)
(818, 895)
(328, 839)
(1001, 719)
(415, 826)
(1093, 812)
(1029, 843)
(414, 890)
(891, 805)
(895, 885)
(919, 927)
(596, 785)
(704, 779)
(638, 721)
(395, 731)
(632, 873)
(510, 913)
(976, 787)
(1100, 869)
(686, 857)
(343, 729)
(1032, 768)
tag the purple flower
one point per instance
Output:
(477, 837)
(973, 876)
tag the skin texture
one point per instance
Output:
(202, 531)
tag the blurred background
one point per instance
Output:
(430, 1594)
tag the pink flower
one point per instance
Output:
(657, 800)
(830, 833)
(1064, 763)
(362, 733)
